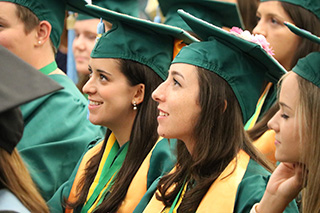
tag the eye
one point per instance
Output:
(258, 18)
(90, 72)
(275, 21)
(175, 82)
(284, 116)
(103, 77)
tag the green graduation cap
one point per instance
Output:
(309, 68)
(245, 65)
(129, 7)
(218, 13)
(139, 40)
(303, 33)
(19, 83)
(54, 12)
(311, 5)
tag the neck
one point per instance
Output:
(189, 143)
(43, 56)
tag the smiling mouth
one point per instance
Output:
(95, 103)
(163, 114)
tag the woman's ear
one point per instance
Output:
(139, 94)
(43, 32)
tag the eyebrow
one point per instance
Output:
(100, 71)
(284, 105)
(177, 73)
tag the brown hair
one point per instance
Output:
(248, 9)
(304, 19)
(143, 137)
(15, 177)
(308, 113)
(214, 148)
(30, 21)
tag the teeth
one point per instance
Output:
(163, 114)
(94, 103)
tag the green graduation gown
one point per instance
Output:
(56, 134)
(158, 163)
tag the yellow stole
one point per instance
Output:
(221, 194)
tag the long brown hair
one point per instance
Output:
(304, 19)
(214, 148)
(308, 113)
(15, 177)
(142, 139)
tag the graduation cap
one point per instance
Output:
(243, 64)
(303, 33)
(309, 68)
(129, 7)
(19, 83)
(311, 5)
(218, 13)
(54, 12)
(139, 40)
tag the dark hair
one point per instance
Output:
(213, 149)
(248, 10)
(142, 138)
(304, 19)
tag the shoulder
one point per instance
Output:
(252, 187)
(9, 202)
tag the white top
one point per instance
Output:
(9, 202)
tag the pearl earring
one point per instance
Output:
(135, 106)
(39, 42)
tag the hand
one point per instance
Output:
(284, 185)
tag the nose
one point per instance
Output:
(78, 43)
(158, 93)
(260, 28)
(273, 122)
(89, 88)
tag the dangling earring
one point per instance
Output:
(135, 106)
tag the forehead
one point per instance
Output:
(289, 92)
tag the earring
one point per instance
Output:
(39, 42)
(135, 106)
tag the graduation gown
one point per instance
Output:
(248, 192)
(158, 162)
(56, 134)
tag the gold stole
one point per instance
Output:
(222, 193)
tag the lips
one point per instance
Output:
(94, 103)
(163, 113)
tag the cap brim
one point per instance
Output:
(20, 82)
(303, 33)
(113, 16)
(205, 30)
(227, 11)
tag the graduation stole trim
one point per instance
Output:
(221, 194)
(109, 166)
(252, 121)
(49, 68)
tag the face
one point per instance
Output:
(178, 103)
(13, 35)
(84, 41)
(110, 94)
(284, 122)
(271, 16)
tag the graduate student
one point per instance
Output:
(127, 63)
(204, 103)
(19, 83)
(297, 141)
(288, 48)
(85, 28)
(57, 130)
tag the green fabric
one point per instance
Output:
(110, 170)
(161, 162)
(309, 68)
(139, 40)
(130, 7)
(303, 33)
(215, 12)
(49, 68)
(55, 135)
(243, 64)
(252, 187)
(54, 12)
(311, 5)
